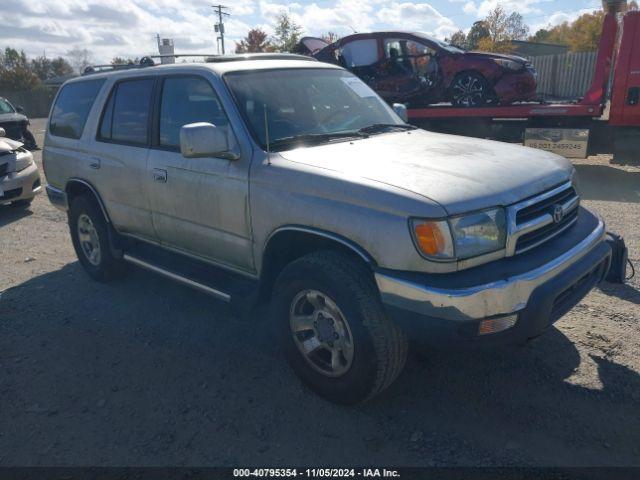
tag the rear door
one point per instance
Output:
(120, 154)
(199, 205)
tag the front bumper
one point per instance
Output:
(534, 297)
(22, 185)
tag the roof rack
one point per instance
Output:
(147, 61)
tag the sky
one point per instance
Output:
(128, 28)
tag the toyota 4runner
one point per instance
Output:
(277, 177)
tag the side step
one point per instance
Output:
(178, 278)
(213, 280)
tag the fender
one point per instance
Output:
(362, 253)
(95, 194)
(114, 244)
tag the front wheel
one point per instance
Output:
(333, 328)
(469, 89)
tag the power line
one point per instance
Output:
(219, 27)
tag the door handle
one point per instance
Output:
(94, 162)
(159, 175)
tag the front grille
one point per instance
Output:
(4, 169)
(544, 206)
(530, 240)
(9, 194)
(542, 217)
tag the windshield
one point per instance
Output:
(5, 107)
(317, 104)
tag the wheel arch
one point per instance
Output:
(78, 186)
(290, 242)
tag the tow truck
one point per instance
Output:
(605, 120)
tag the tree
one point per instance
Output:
(459, 39)
(581, 35)
(287, 33)
(585, 32)
(479, 30)
(79, 58)
(60, 67)
(256, 41)
(15, 71)
(41, 66)
(502, 28)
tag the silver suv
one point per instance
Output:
(277, 177)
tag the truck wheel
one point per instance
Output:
(469, 89)
(90, 239)
(333, 328)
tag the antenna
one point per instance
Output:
(266, 132)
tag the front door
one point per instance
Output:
(408, 70)
(199, 205)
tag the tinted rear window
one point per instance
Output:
(126, 115)
(72, 108)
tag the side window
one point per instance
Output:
(72, 108)
(125, 117)
(407, 56)
(359, 53)
(187, 100)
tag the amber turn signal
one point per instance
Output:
(433, 238)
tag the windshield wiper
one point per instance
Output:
(383, 127)
(315, 138)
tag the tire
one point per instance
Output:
(29, 140)
(378, 349)
(469, 89)
(93, 250)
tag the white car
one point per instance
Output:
(19, 177)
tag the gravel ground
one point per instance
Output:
(148, 372)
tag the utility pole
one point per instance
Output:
(219, 27)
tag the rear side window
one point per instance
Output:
(126, 115)
(72, 108)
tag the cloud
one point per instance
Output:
(481, 9)
(127, 28)
(556, 18)
(416, 16)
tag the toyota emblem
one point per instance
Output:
(558, 213)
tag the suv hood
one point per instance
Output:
(462, 174)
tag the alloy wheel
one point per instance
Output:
(89, 240)
(468, 90)
(321, 333)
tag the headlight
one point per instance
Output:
(509, 64)
(23, 160)
(461, 237)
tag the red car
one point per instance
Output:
(418, 70)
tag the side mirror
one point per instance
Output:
(205, 140)
(401, 111)
(20, 109)
(2, 132)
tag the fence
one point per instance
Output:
(564, 76)
(36, 103)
